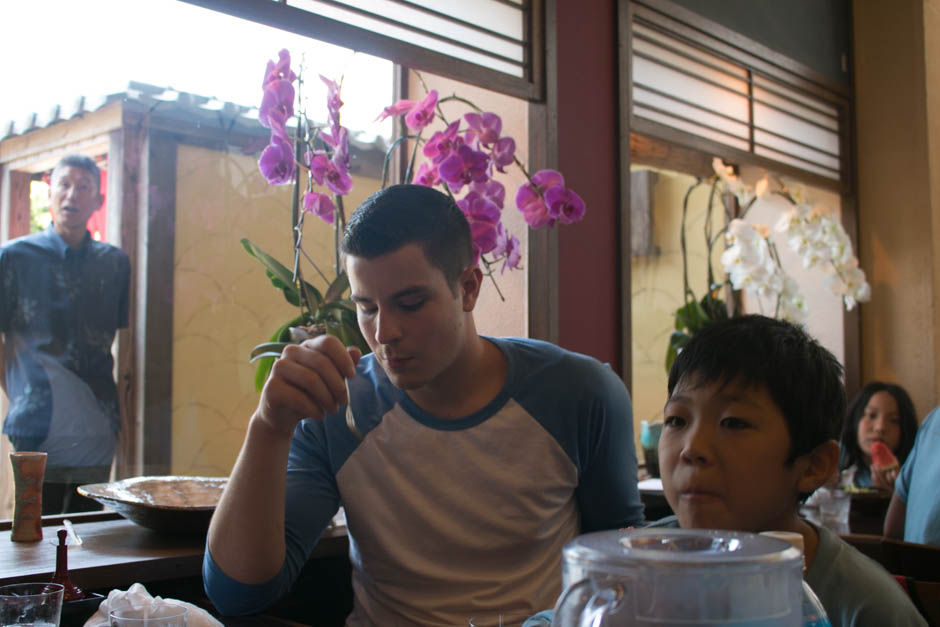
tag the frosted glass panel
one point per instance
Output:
(830, 122)
(796, 150)
(698, 69)
(689, 127)
(799, 163)
(506, 21)
(820, 105)
(644, 97)
(692, 51)
(650, 74)
(789, 126)
(695, 87)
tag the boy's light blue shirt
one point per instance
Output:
(917, 482)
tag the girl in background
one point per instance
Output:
(881, 412)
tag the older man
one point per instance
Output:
(63, 297)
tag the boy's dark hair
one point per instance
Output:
(411, 214)
(83, 162)
(803, 378)
(851, 452)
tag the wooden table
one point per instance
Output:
(116, 553)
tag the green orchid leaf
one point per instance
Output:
(314, 300)
(267, 350)
(336, 289)
(261, 373)
(280, 275)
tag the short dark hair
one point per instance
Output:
(801, 376)
(411, 214)
(851, 452)
(83, 162)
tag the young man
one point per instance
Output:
(754, 408)
(481, 457)
(63, 297)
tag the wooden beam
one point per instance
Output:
(156, 220)
(125, 153)
(15, 204)
(659, 154)
(625, 154)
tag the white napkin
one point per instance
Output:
(136, 597)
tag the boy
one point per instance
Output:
(749, 429)
(481, 457)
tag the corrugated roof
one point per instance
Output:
(169, 102)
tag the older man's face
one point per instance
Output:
(74, 197)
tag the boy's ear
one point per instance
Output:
(822, 464)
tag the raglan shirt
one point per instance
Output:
(448, 518)
(59, 310)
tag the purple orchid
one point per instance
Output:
(491, 190)
(277, 161)
(422, 113)
(465, 166)
(426, 175)
(564, 204)
(529, 198)
(507, 248)
(323, 170)
(504, 152)
(417, 114)
(483, 216)
(321, 205)
(333, 104)
(443, 143)
(280, 70)
(484, 128)
(277, 106)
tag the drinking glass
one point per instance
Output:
(162, 615)
(507, 620)
(834, 508)
(38, 604)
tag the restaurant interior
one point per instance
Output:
(836, 102)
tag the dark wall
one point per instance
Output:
(814, 32)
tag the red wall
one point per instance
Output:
(588, 255)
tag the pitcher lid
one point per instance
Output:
(659, 546)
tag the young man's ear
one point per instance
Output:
(469, 284)
(823, 463)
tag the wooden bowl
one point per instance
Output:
(172, 504)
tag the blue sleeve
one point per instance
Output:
(608, 496)
(902, 484)
(586, 407)
(311, 502)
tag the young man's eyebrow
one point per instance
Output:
(408, 291)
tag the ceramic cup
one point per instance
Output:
(37, 604)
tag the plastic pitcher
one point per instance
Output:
(664, 577)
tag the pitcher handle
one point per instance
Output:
(601, 602)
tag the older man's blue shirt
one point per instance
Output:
(59, 308)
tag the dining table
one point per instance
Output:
(115, 553)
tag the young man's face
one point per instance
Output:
(723, 458)
(408, 314)
(74, 197)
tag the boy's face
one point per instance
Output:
(723, 458)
